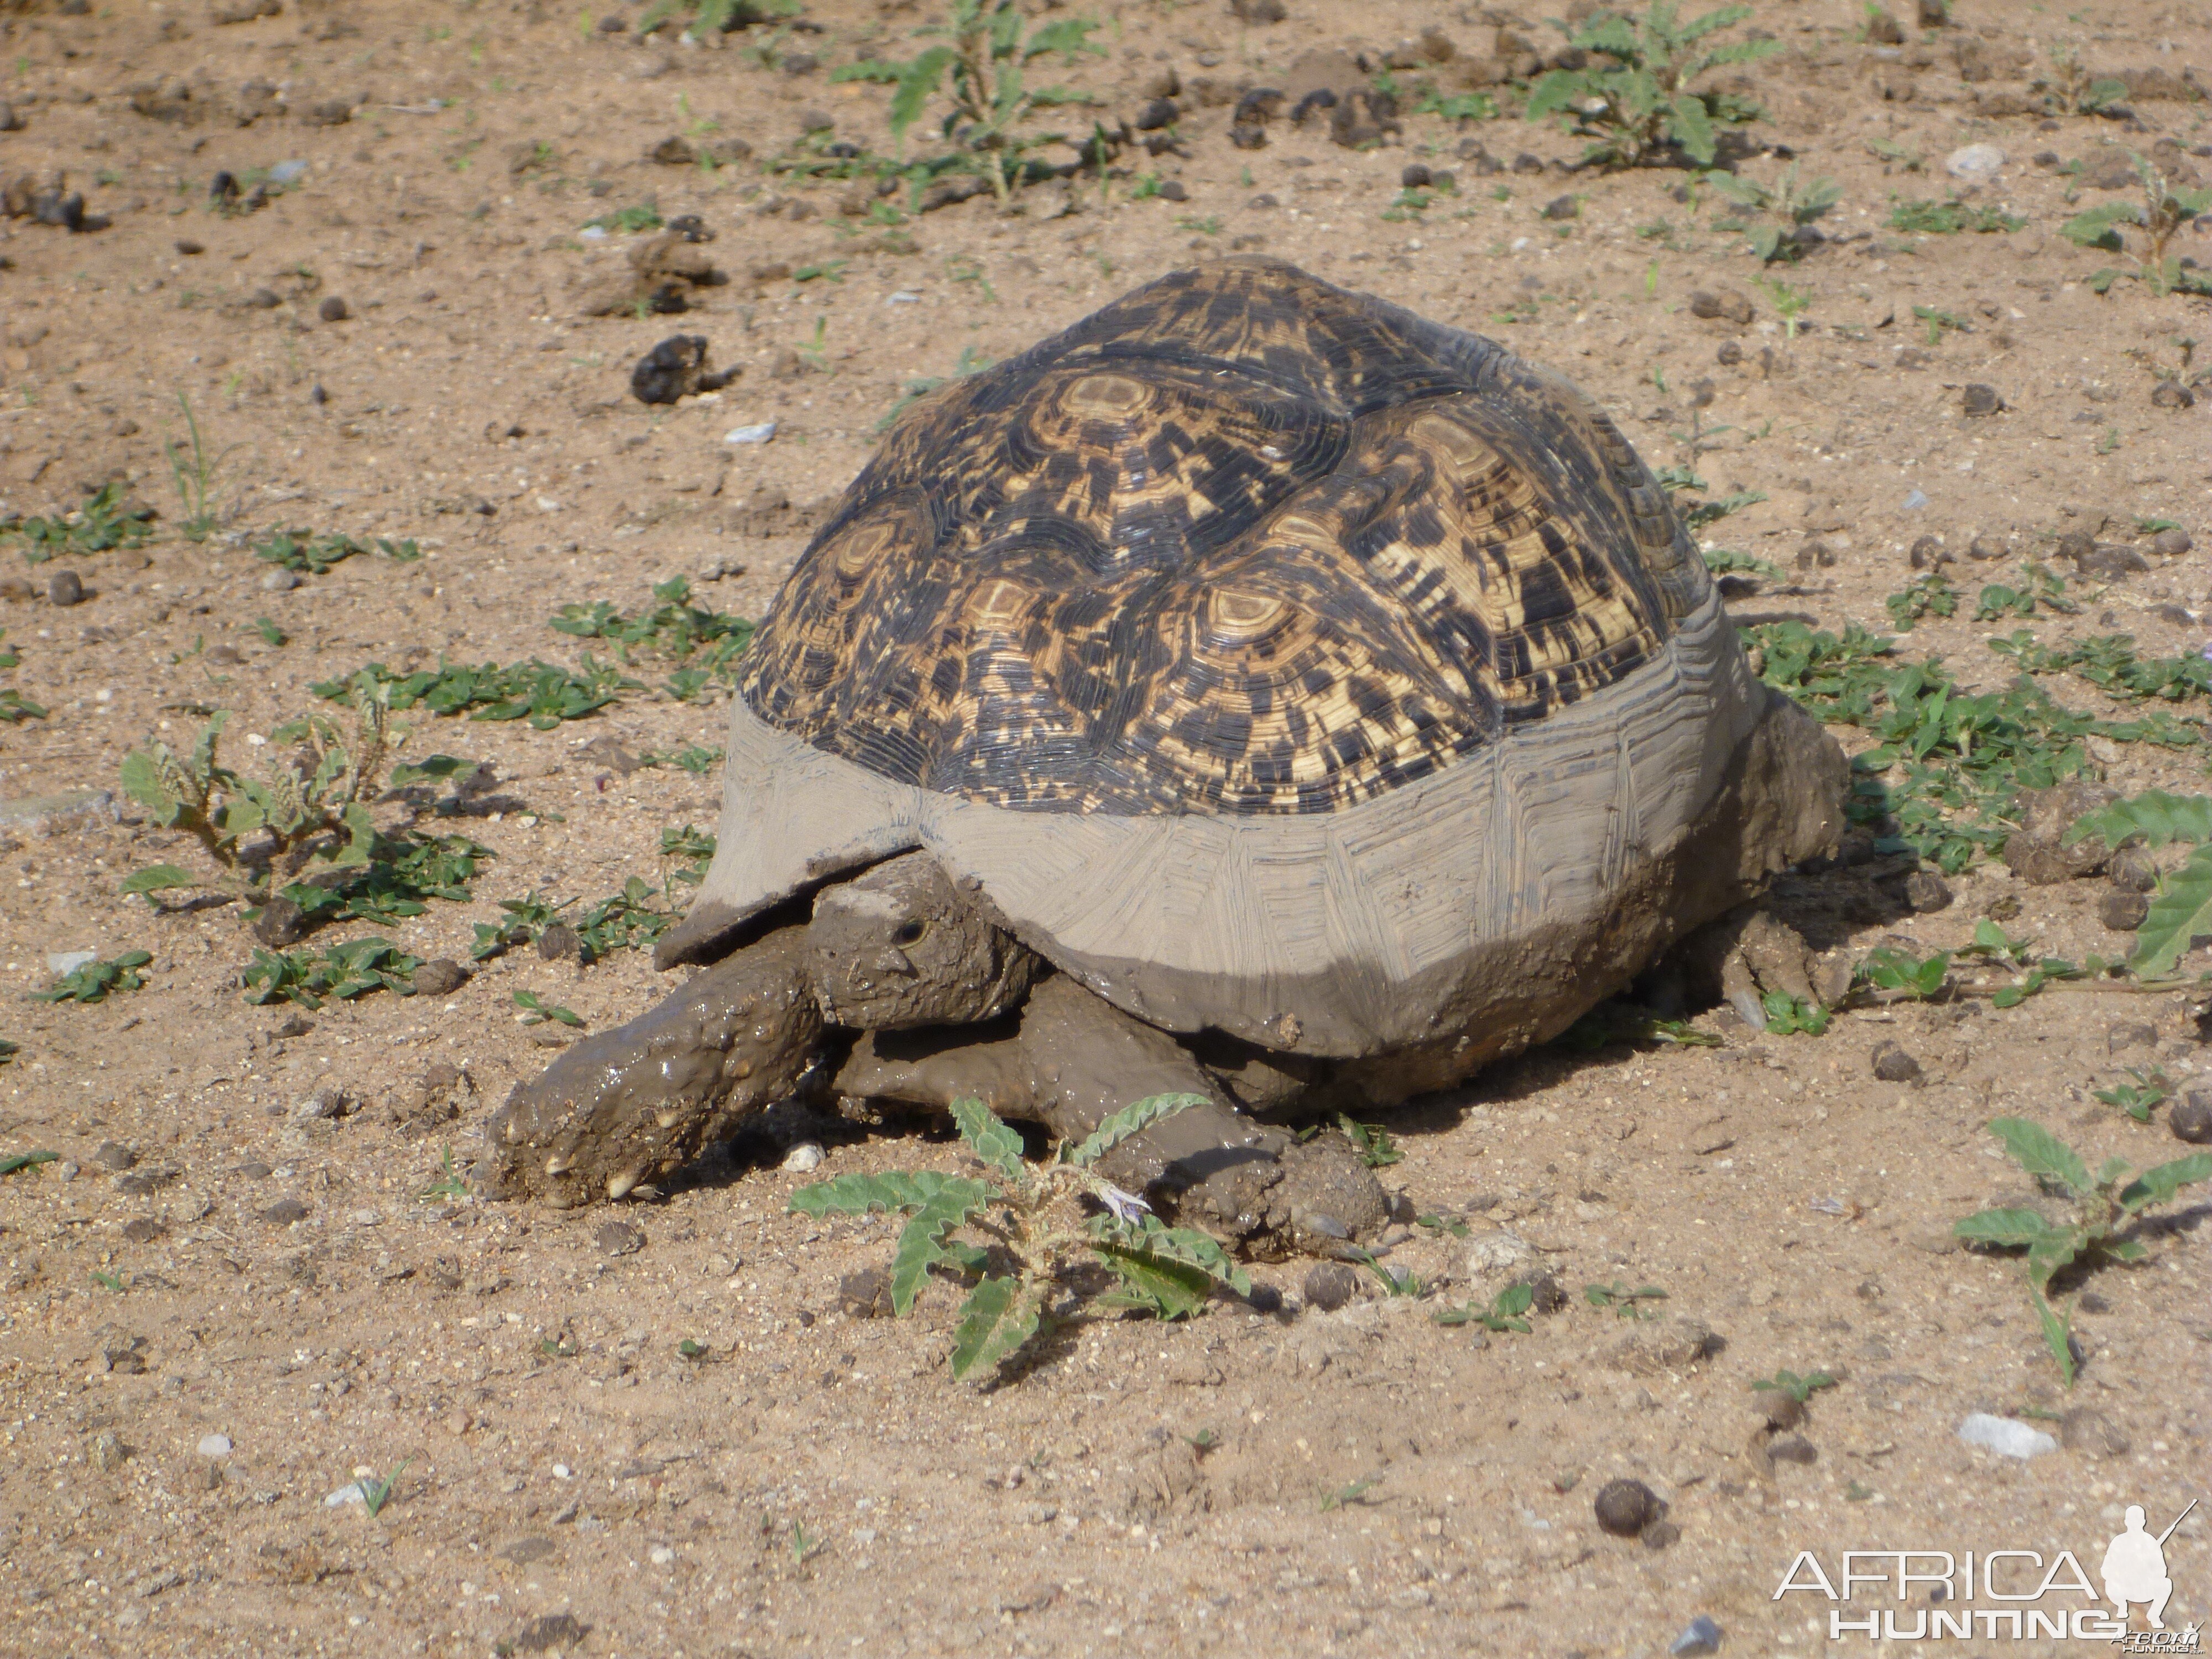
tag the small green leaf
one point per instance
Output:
(921, 1245)
(2161, 1182)
(2181, 911)
(1130, 1120)
(142, 781)
(2159, 817)
(1165, 1288)
(856, 1195)
(2009, 1229)
(2057, 1336)
(1692, 127)
(990, 1139)
(1150, 1235)
(995, 1322)
(158, 878)
(2039, 1152)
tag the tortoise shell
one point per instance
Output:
(1239, 543)
(1274, 661)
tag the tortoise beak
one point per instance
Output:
(892, 960)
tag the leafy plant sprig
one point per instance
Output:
(2159, 215)
(1624, 1303)
(92, 981)
(1786, 210)
(2106, 1206)
(1799, 1389)
(1505, 1313)
(1634, 100)
(979, 65)
(1043, 1221)
(102, 521)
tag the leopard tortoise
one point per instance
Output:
(1255, 690)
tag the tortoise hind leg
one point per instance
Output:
(630, 1106)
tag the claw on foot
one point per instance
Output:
(623, 1109)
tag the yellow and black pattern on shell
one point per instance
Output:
(1241, 542)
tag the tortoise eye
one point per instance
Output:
(910, 932)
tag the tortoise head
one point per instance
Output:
(899, 945)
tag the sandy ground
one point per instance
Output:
(197, 1348)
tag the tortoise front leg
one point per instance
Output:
(635, 1105)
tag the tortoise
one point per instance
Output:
(1255, 690)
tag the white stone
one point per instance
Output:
(751, 434)
(2005, 1435)
(1976, 162)
(804, 1157)
(62, 962)
(215, 1445)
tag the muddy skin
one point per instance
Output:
(893, 950)
(628, 1107)
(897, 947)
(1072, 1059)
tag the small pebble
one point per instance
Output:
(1330, 1286)
(1927, 892)
(350, 1493)
(554, 1632)
(1892, 1064)
(114, 1155)
(334, 310)
(751, 434)
(1975, 163)
(2172, 543)
(1979, 399)
(64, 588)
(144, 1230)
(2085, 1429)
(2005, 1435)
(560, 943)
(2123, 912)
(281, 581)
(1625, 1507)
(66, 1169)
(284, 1212)
(1792, 1449)
(1659, 1535)
(619, 1238)
(804, 1158)
(2132, 870)
(441, 976)
(1701, 1635)
(215, 1445)
(866, 1293)
(2190, 1118)
(2171, 394)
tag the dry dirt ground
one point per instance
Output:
(196, 1350)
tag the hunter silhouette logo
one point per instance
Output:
(2133, 1568)
(2012, 1595)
